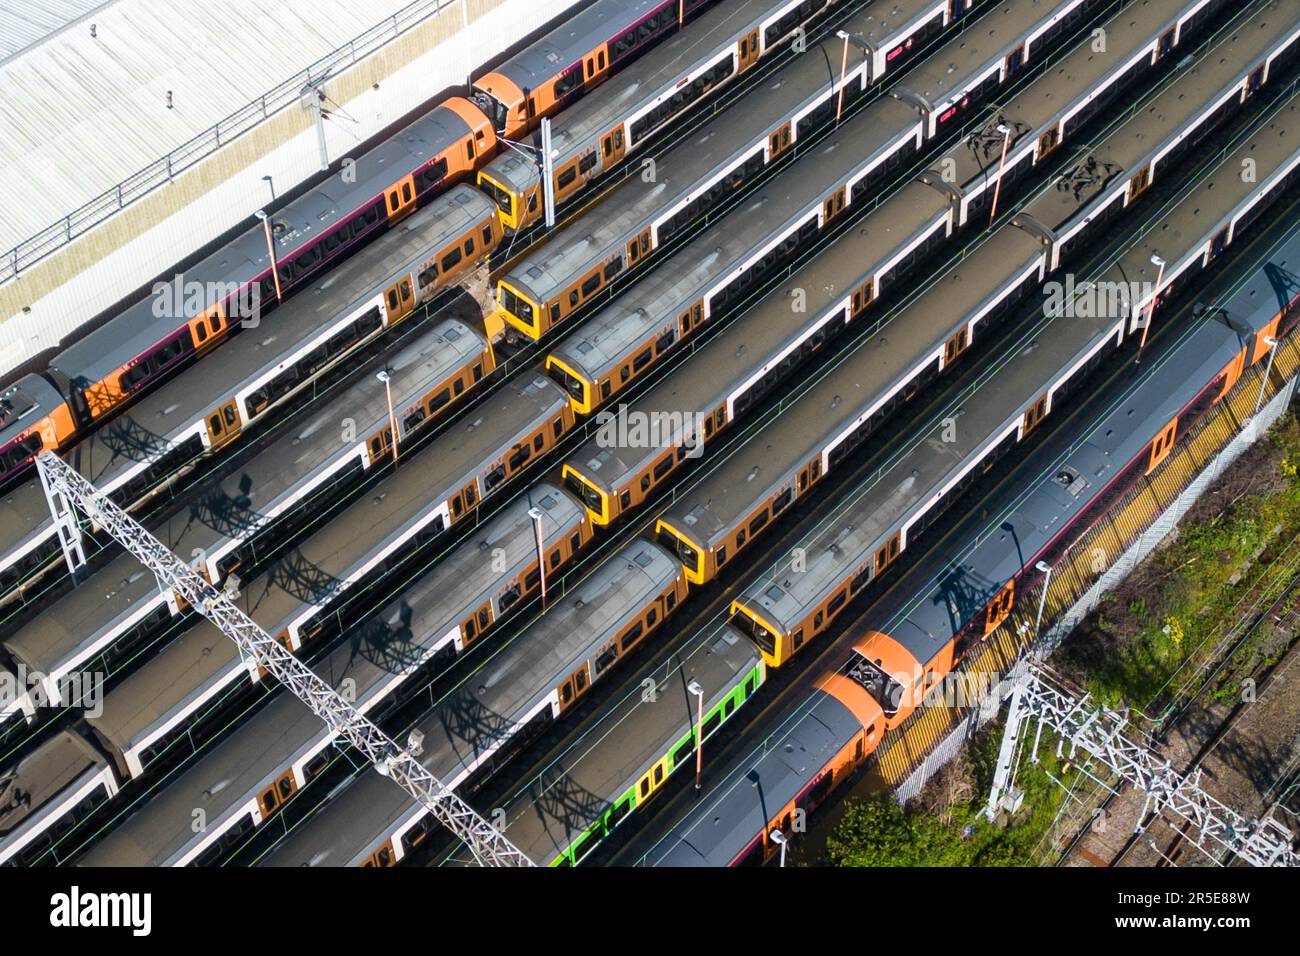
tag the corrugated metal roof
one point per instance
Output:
(79, 114)
(25, 23)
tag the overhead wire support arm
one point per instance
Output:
(66, 488)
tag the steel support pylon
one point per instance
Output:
(1099, 732)
(65, 488)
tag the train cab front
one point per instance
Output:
(576, 385)
(593, 497)
(519, 310)
(892, 675)
(514, 184)
(688, 551)
(771, 640)
(504, 103)
(34, 418)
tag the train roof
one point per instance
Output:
(133, 330)
(571, 40)
(1180, 235)
(989, 38)
(654, 73)
(503, 689)
(730, 817)
(1071, 476)
(330, 558)
(678, 176)
(876, 368)
(382, 650)
(24, 403)
(596, 770)
(1268, 290)
(1165, 119)
(847, 540)
(1044, 101)
(27, 787)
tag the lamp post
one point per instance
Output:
(695, 688)
(387, 379)
(1005, 130)
(844, 64)
(536, 515)
(1268, 370)
(1045, 570)
(1159, 263)
(270, 181)
(270, 252)
(777, 837)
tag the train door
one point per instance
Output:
(594, 67)
(223, 424)
(638, 248)
(401, 198)
(573, 687)
(1139, 183)
(274, 796)
(1253, 83)
(957, 9)
(833, 205)
(205, 329)
(1218, 243)
(399, 300)
(748, 48)
(863, 296)
(612, 147)
(1166, 43)
(1014, 61)
(778, 142)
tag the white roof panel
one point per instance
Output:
(79, 114)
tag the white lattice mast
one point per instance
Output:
(67, 489)
(1099, 732)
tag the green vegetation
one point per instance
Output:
(1144, 643)
(945, 825)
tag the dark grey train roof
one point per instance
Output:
(37, 778)
(512, 170)
(392, 640)
(739, 484)
(848, 539)
(24, 403)
(992, 36)
(720, 827)
(598, 768)
(678, 173)
(653, 305)
(569, 41)
(1212, 202)
(1130, 146)
(654, 73)
(133, 330)
(327, 556)
(150, 428)
(501, 690)
(1267, 291)
(1049, 96)
(757, 337)
(969, 580)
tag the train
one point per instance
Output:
(247, 778)
(1054, 364)
(116, 362)
(941, 613)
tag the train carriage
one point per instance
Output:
(295, 594)
(47, 792)
(33, 418)
(247, 777)
(596, 134)
(559, 818)
(220, 398)
(1051, 111)
(548, 286)
(533, 680)
(1107, 179)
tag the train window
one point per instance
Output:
(740, 539)
(470, 630)
(450, 259)
(606, 656)
(837, 602)
(458, 386)
(798, 638)
(587, 163)
(614, 268)
(469, 247)
(782, 500)
(663, 467)
(591, 285)
(756, 525)
(645, 787)
(624, 373)
(429, 276)
(469, 149)
(519, 457)
(406, 192)
(573, 301)
(392, 300)
(670, 601)
(478, 372)
(625, 500)
(487, 236)
(484, 618)
(580, 680)
(538, 442)
(494, 478)
(554, 559)
(818, 618)
(641, 361)
(557, 427)
(664, 342)
(645, 482)
(566, 692)
(575, 542)
(722, 555)
(600, 58)
(567, 177)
